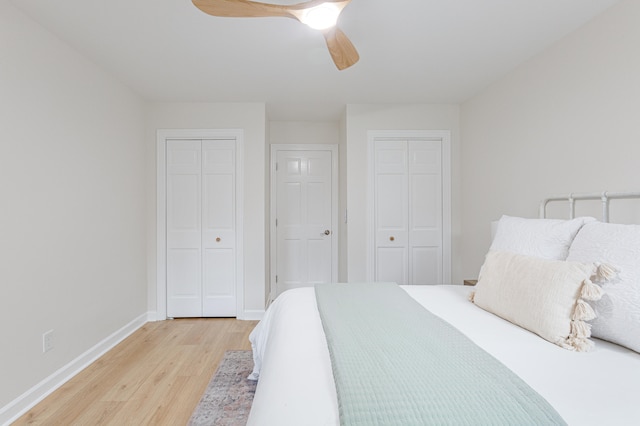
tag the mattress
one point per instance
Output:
(296, 386)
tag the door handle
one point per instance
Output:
(327, 232)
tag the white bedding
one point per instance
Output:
(296, 385)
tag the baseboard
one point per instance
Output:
(255, 315)
(245, 316)
(30, 398)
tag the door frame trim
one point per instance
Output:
(335, 224)
(445, 137)
(162, 136)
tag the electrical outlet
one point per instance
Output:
(47, 341)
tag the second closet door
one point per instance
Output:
(201, 228)
(408, 211)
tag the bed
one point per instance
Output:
(586, 380)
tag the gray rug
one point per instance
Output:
(227, 400)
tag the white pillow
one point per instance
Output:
(540, 295)
(619, 309)
(544, 238)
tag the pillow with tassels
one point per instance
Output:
(546, 297)
(619, 309)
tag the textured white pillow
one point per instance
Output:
(545, 238)
(619, 309)
(543, 296)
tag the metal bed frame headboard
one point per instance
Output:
(605, 197)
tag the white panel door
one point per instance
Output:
(218, 228)
(303, 219)
(391, 212)
(201, 228)
(408, 211)
(425, 212)
(184, 228)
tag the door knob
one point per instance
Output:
(392, 238)
(218, 240)
(327, 232)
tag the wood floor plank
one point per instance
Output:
(154, 377)
(100, 413)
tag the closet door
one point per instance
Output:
(218, 229)
(391, 212)
(425, 212)
(184, 229)
(201, 228)
(408, 211)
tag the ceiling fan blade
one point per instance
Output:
(342, 51)
(242, 8)
(254, 9)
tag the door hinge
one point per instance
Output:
(276, 279)
(276, 167)
(276, 222)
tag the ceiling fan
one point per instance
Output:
(318, 14)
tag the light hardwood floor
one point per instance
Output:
(154, 377)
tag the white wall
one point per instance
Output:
(359, 120)
(72, 214)
(566, 121)
(249, 117)
(303, 132)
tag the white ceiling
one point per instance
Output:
(411, 51)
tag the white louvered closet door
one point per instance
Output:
(201, 228)
(408, 211)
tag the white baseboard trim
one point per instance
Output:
(252, 315)
(16, 408)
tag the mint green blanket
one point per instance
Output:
(395, 363)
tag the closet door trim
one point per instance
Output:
(161, 216)
(440, 135)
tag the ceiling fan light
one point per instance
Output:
(321, 17)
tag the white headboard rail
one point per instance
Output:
(604, 197)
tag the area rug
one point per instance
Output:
(227, 400)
